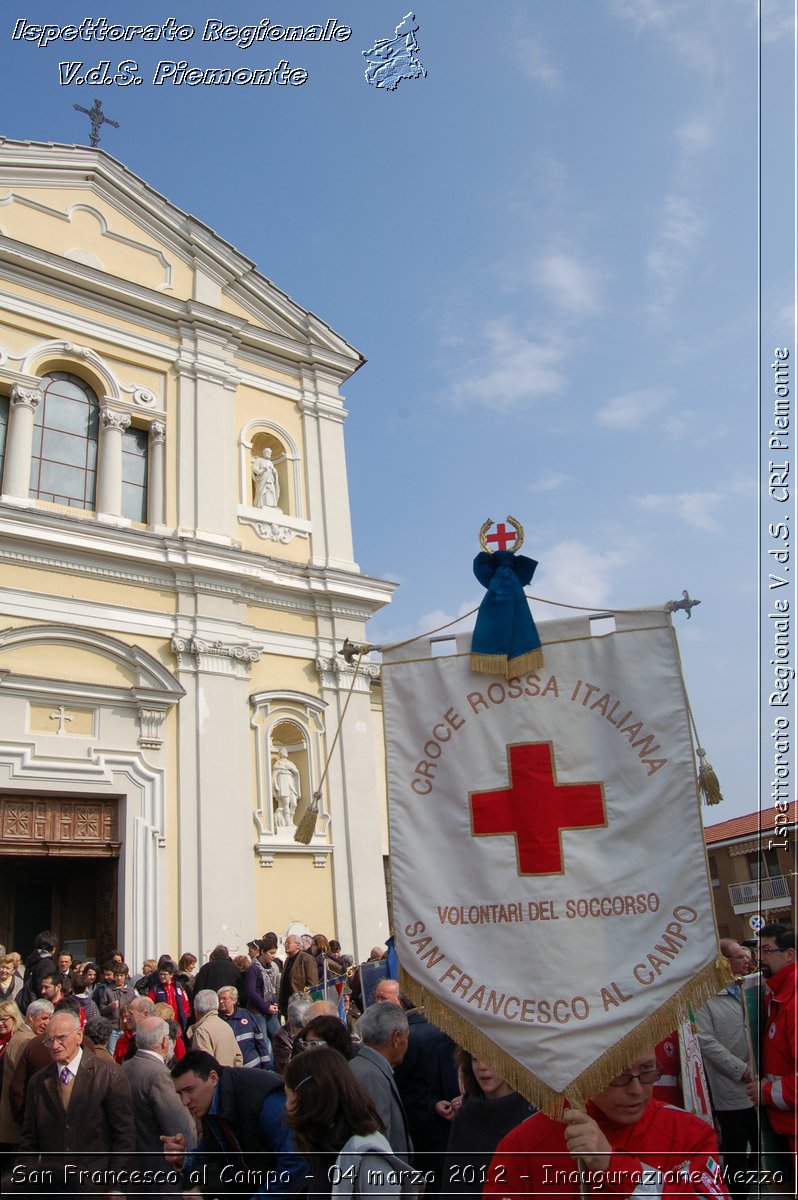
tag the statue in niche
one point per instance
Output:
(267, 485)
(285, 789)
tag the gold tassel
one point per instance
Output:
(307, 826)
(696, 992)
(489, 664)
(708, 780)
(532, 661)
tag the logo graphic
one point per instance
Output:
(536, 809)
(390, 60)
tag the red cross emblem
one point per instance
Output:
(502, 537)
(536, 809)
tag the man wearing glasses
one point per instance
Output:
(624, 1144)
(778, 1088)
(78, 1113)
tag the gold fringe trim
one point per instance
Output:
(531, 661)
(489, 664)
(307, 826)
(708, 784)
(500, 664)
(653, 1029)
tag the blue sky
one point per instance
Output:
(548, 251)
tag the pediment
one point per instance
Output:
(32, 657)
(84, 206)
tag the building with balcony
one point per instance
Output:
(178, 578)
(752, 864)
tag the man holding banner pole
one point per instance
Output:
(624, 1144)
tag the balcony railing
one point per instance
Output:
(759, 893)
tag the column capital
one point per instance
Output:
(23, 396)
(158, 431)
(111, 418)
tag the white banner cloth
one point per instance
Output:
(550, 887)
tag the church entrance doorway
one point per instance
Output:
(59, 859)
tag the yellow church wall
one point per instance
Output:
(69, 585)
(22, 332)
(294, 675)
(293, 890)
(275, 620)
(51, 661)
(65, 662)
(65, 220)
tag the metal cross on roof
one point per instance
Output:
(97, 118)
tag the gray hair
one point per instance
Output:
(142, 1006)
(38, 1007)
(64, 1014)
(151, 1033)
(379, 1021)
(228, 989)
(298, 1005)
(206, 1001)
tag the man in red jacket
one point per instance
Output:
(777, 1090)
(625, 1143)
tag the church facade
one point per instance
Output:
(177, 581)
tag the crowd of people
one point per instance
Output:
(236, 1078)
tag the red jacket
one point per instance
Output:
(780, 1086)
(668, 1150)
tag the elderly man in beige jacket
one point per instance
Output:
(211, 1033)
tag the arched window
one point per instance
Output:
(64, 458)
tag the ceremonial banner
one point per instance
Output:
(551, 901)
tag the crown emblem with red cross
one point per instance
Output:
(535, 809)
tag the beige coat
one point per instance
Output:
(215, 1036)
(10, 1131)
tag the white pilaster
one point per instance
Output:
(109, 484)
(156, 480)
(16, 475)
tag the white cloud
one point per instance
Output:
(668, 259)
(568, 282)
(682, 424)
(508, 368)
(692, 31)
(550, 481)
(573, 573)
(438, 619)
(631, 410)
(535, 62)
(698, 509)
(696, 134)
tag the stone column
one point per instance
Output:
(109, 483)
(16, 475)
(156, 480)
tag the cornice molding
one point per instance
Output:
(267, 852)
(79, 544)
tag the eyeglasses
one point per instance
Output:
(771, 950)
(311, 1045)
(649, 1076)
(58, 1039)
